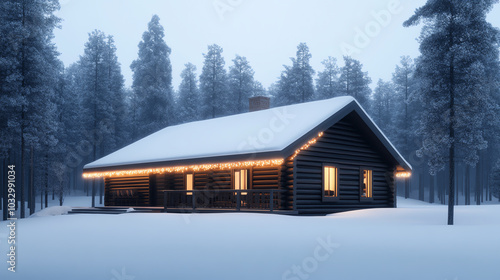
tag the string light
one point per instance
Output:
(307, 145)
(403, 174)
(177, 169)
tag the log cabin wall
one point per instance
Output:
(127, 191)
(287, 177)
(259, 178)
(345, 146)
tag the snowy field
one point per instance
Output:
(410, 242)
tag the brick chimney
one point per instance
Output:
(258, 103)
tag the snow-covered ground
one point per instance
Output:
(410, 242)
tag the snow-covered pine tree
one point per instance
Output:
(189, 95)
(99, 95)
(153, 80)
(406, 87)
(456, 45)
(283, 89)
(214, 84)
(327, 83)
(32, 74)
(304, 73)
(10, 79)
(258, 89)
(241, 84)
(132, 103)
(383, 107)
(354, 82)
(296, 81)
(115, 90)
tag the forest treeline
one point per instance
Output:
(440, 109)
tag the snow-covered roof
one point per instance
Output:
(258, 132)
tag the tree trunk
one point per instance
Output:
(31, 194)
(452, 121)
(478, 183)
(61, 193)
(431, 189)
(457, 181)
(3, 183)
(467, 185)
(421, 195)
(46, 180)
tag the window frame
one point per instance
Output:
(247, 183)
(186, 183)
(323, 178)
(362, 169)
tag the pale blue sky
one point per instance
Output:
(267, 32)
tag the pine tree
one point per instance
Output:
(406, 101)
(354, 82)
(153, 80)
(495, 181)
(29, 66)
(102, 87)
(383, 107)
(189, 96)
(406, 87)
(456, 46)
(258, 89)
(296, 81)
(283, 89)
(115, 90)
(303, 72)
(214, 84)
(327, 84)
(241, 84)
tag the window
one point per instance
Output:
(367, 184)
(241, 180)
(189, 183)
(330, 181)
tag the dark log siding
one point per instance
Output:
(347, 148)
(287, 176)
(151, 188)
(116, 193)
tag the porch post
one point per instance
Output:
(238, 200)
(165, 197)
(193, 198)
(271, 201)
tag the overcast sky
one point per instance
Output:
(267, 32)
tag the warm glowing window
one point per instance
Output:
(330, 181)
(367, 185)
(241, 180)
(189, 183)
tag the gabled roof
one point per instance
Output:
(265, 134)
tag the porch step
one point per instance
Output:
(109, 210)
(96, 211)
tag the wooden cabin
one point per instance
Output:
(312, 158)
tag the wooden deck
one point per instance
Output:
(224, 200)
(113, 210)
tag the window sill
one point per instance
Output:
(330, 198)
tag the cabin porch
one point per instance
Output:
(224, 200)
